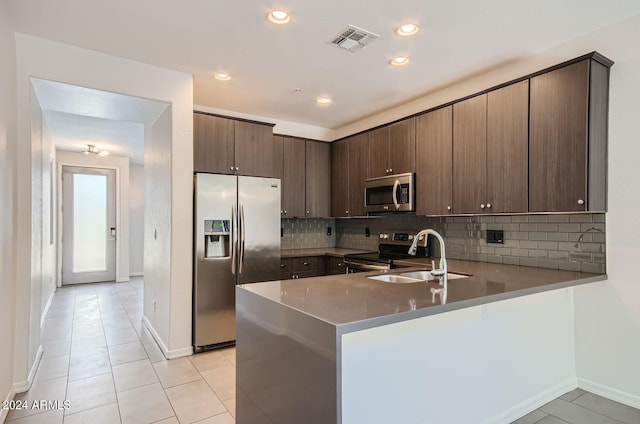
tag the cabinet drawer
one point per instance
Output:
(335, 265)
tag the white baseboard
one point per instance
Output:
(23, 386)
(45, 311)
(535, 402)
(136, 274)
(609, 393)
(5, 412)
(169, 354)
(122, 280)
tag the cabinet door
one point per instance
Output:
(434, 162)
(293, 171)
(253, 149)
(470, 155)
(558, 139)
(507, 148)
(335, 265)
(379, 152)
(318, 180)
(402, 146)
(213, 144)
(358, 172)
(278, 167)
(339, 178)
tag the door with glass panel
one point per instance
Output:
(88, 225)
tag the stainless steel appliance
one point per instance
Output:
(236, 241)
(391, 247)
(392, 193)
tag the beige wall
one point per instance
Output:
(136, 219)
(7, 204)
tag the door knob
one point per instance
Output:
(580, 202)
(488, 205)
(482, 206)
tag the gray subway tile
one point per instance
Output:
(520, 218)
(548, 227)
(510, 260)
(529, 262)
(495, 226)
(595, 268)
(538, 218)
(599, 227)
(556, 255)
(548, 263)
(535, 253)
(569, 266)
(488, 250)
(558, 236)
(537, 236)
(503, 251)
(548, 245)
(520, 252)
(517, 235)
(528, 227)
(558, 218)
(511, 227)
(501, 219)
(569, 228)
(510, 243)
(581, 217)
(599, 258)
(528, 244)
(495, 259)
(488, 219)
(592, 247)
(568, 246)
(598, 217)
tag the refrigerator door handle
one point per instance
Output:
(233, 239)
(241, 238)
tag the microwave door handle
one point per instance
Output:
(395, 194)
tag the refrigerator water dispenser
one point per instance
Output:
(216, 238)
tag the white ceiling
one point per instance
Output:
(458, 39)
(77, 116)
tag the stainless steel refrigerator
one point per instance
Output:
(236, 241)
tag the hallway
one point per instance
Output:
(101, 359)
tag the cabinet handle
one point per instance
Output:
(488, 205)
(285, 212)
(390, 170)
(448, 208)
(340, 264)
(282, 265)
(308, 212)
(580, 202)
(237, 169)
(231, 168)
(305, 263)
(347, 212)
(482, 206)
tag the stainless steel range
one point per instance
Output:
(392, 246)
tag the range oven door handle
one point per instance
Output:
(395, 194)
(365, 267)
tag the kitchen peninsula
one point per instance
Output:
(350, 349)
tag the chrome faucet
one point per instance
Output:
(441, 271)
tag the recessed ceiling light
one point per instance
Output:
(279, 17)
(399, 61)
(222, 76)
(406, 30)
(323, 100)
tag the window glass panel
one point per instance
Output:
(89, 223)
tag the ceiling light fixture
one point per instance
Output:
(279, 17)
(222, 76)
(323, 100)
(93, 150)
(399, 61)
(406, 30)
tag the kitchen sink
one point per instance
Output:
(412, 277)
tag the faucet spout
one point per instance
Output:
(441, 271)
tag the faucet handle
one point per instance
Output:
(433, 264)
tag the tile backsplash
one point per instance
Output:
(307, 233)
(573, 242)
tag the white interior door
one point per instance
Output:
(88, 225)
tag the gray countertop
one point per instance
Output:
(354, 302)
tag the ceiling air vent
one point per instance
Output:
(353, 38)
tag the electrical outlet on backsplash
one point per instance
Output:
(307, 233)
(572, 242)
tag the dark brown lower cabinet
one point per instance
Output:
(335, 265)
(304, 267)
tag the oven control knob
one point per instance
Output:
(384, 236)
(410, 237)
(421, 238)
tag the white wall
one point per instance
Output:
(485, 364)
(121, 164)
(607, 313)
(136, 219)
(63, 63)
(7, 203)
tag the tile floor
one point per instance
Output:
(99, 357)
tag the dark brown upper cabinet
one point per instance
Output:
(434, 162)
(318, 180)
(568, 138)
(349, 170)
(470, 155)
(507, 149)
(392, 149)
(213, 144)
(228, 146)
(340, 178)
(293, 180)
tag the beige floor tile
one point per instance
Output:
(194, 401)
(56, 348)
(107, 414)
(47, 389)
(47, 417)
(224, 418)
(134, 374)
(90, 393)
(127, 352)
(222, 381)
(116, 323)
(154, 352)
(172, 420)
(55, 367)
(209, 360)
(80, 346)
(230, 404)
(60, 311)
(145, 404)
(89, 365)
(59, 332)
(230, 354)
(121, 336)
(176, 372)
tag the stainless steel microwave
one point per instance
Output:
(392, 193)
